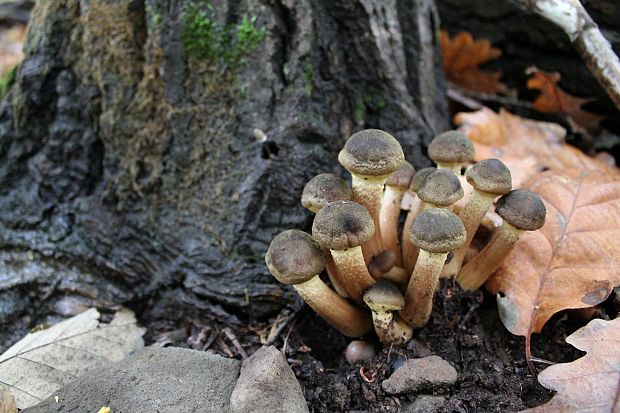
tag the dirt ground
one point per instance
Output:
(465, 330)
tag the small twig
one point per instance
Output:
(543, 361)
(287, 336)
(233, 339)
(586, 37)
(225, 347)
(275, 333)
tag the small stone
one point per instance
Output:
(267, 384)
(425, 404)
(419, 374)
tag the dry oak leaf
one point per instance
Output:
(461, 57)
(592, 382)
(526, 146)
(554, 100)
(573, 261)
(40, 363)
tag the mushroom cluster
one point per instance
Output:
(381, 276)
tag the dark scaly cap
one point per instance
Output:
(451, 147)
(402, 177)
(437, 230)
(341, 225)
(522, 209)
(384, 296)
(490, 176)
(371, 152)
(293, 257)
(419, 177)
(441, 188)
(323, 189)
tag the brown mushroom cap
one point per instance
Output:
(341, 225)
(451, 147)
(419, 177)
(371, 152)
(293, 257)
(323, 189)
(490, 176)
(441, 187)
(437, 230)
(384, 296)
(522, 209)
(402, 177)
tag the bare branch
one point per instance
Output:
(586, 37)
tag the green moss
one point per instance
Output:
(308, 79)
(7, 80)
(154, 14)
(359, 113)
(206, 39)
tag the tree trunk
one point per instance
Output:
(130, 172)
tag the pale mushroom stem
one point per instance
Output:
(410, 251)
(421, 288)
(398, 276)
(390, 328)
(344, 316)
(475, 273)
(454, 167)
(353, 272)
(368, 192)
(332, 273)
(471, 215)
(388, 220)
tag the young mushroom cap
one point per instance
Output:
(441, 188)
(341, 225)
(384, 296)
(295, 259)
(371, 152)
(419, 177)
(437, 230)
(323, 189)
(289, 268)
(381, 264)
(490, 176)
(451, 147)
(522, 209)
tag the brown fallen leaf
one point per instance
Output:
(554, 100)
(526, 146)
(462, 56)
(573, 261)
(7, 402)
(591, 383)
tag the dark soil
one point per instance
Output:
(465, 330)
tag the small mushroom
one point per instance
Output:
(323, 189)
(450, 150)
(383, 299)
(295, 259)
(490, 178)
(359, 350)
(436, 232)
(395, 187)
(343, 226)
(440, 189)
(318, 192)
(408, 250)
(371, 155)
(521, 210)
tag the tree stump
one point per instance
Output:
(134, 173)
